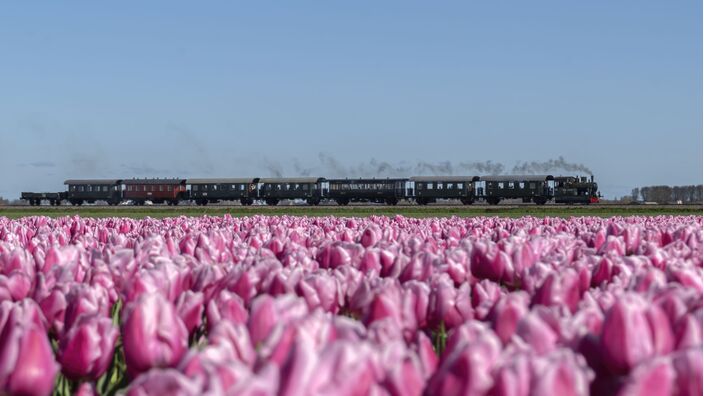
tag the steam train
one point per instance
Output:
(422, 190)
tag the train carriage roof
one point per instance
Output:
(236, 180)
(518, 178)
(93, 181)
(284, 180)
(366, 180)
(445, 179)
(154, 181)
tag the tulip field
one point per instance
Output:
(381, 305)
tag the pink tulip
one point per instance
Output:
(86, 350)
(153, 334)
(226, 306)
(86, 389)
(163, 382)
(688, 368)
(536, 333)
(236, 338)
(626, 336)
(214, 369)
(320, 290)
(190, 309)
(83, 300)
(655, 377)
(449, 305)
(466, 368)
(54, 309)
(506, 314)
(27, 364)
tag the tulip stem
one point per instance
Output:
(440, 339)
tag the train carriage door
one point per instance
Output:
(410, 189)
(550, 184)
(479, 188)
(324, 188)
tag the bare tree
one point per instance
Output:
(635, 193)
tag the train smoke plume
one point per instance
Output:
(548, 166)
(330, 167)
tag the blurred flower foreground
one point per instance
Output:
(348, 306)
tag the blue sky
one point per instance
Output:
(231, 89)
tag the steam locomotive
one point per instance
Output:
(314, 190)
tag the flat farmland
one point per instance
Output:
(158, 211)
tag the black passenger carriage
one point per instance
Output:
(431, 188)
(273, 190)
(388, 191)
(204, 191)
(536, 188)
(92, 190)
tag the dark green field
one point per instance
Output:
(355, 211)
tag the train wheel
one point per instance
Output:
(392, 201)
(540, 200)
(467, 201)
(272, 201)
(493, 201)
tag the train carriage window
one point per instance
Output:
(510, 184)
(241, 187)
(80, 188)
(305, 187)
(215, 187)
(278, 187)
(105, 188)
(170, 188)
(161, 188)
(195, 187)
(233, 187)
(532, 186)
(501, 184)
(521, 185)
(460, 185)
(430, 186)
(450, 186)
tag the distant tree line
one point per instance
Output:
(667, 194)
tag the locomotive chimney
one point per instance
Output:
(592, 178)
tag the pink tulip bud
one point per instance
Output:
(83, 300)
(320, 290)
(466, 368)
(536, 333)
(27, 365)
(688, 368)
(86, 350)
(153, 334)
(449, 305)
(235, 337)
(86, 389)
(506, 314)
(626, 336)
(54, 309)
(190, 309)
(655, 377)
(226, 306)
(159, 382)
